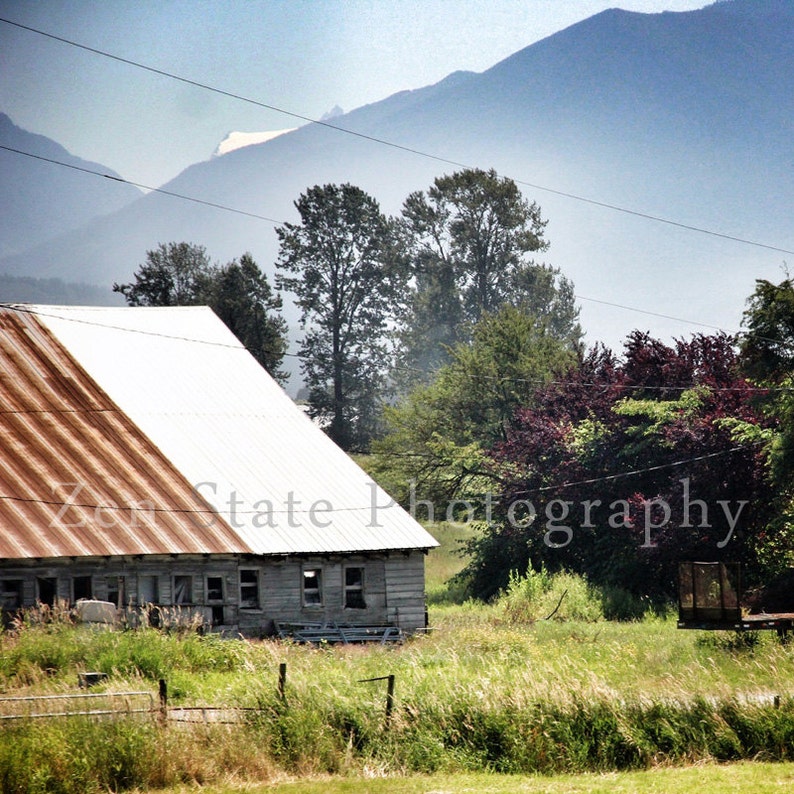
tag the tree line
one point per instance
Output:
(385, 302)
(435, 342)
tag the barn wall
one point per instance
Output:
(244, 593)
(405, 584)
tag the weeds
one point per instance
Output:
(540, 595)
(491, 687)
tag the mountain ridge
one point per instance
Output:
(29, 183)
(683, 116)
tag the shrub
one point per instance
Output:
(540, 595)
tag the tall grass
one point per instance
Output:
(480, 692)
(539, 595)
(538, 681)
(326, 731)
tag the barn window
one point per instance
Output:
(312, 587)
(81, 588)
(148, 589)
(183, 590)
(214, 597)
(354, 588)
(46, 590)
(115, 590)
(214, 589)
(11, 594)
(249, 588)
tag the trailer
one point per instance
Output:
(709, 599)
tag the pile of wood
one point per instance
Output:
(334, 633)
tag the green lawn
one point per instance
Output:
(753, 778)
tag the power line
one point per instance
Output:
(652, 314)
(150, 508)
(110, 326)
(634, 472)
(233, 95)
(495, 378)
(237, 211)
(276, 223)
(171, 193)
(384, 142)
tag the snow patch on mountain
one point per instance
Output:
(237, 140)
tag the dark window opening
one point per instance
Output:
(217, 614)
(81, 588)
(47, 590)
(214, 588)
(115, 590)
(354, 588)
(312, 587)
(10, 594)
(249, 589)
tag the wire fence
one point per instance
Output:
(149, 704)
(78, 704)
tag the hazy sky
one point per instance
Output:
(300, 56)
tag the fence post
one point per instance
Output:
(389, 698)
(389, 694)
(282, 681)
(163, 701)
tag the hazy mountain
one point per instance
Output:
(41, 200)
(684, 116)
(25, 289)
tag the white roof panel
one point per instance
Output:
(280, 483)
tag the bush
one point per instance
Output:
(540, 595)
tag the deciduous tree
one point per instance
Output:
(174, 274)
(340, 264)
(624, 468)
(439, 432)
(469, 239)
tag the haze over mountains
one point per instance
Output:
(43, 200)
(683, 116)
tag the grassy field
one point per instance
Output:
(751, 778)
(493, 698)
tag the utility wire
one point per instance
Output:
(277, 223)
(391, 144)
(142, 507)
(24, 309)
(653, 314)
(331, 509)
(182, 196)
(634, 472)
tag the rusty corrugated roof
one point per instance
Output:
(77, 476)
(184, 379)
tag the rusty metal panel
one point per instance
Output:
(186, 382)
(77, 477)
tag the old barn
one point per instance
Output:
(147, 459)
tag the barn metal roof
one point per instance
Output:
(198, 406)
(77, 477)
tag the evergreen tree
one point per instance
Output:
(181, 274)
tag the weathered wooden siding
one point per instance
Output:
(405, 585)
(392, 587)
